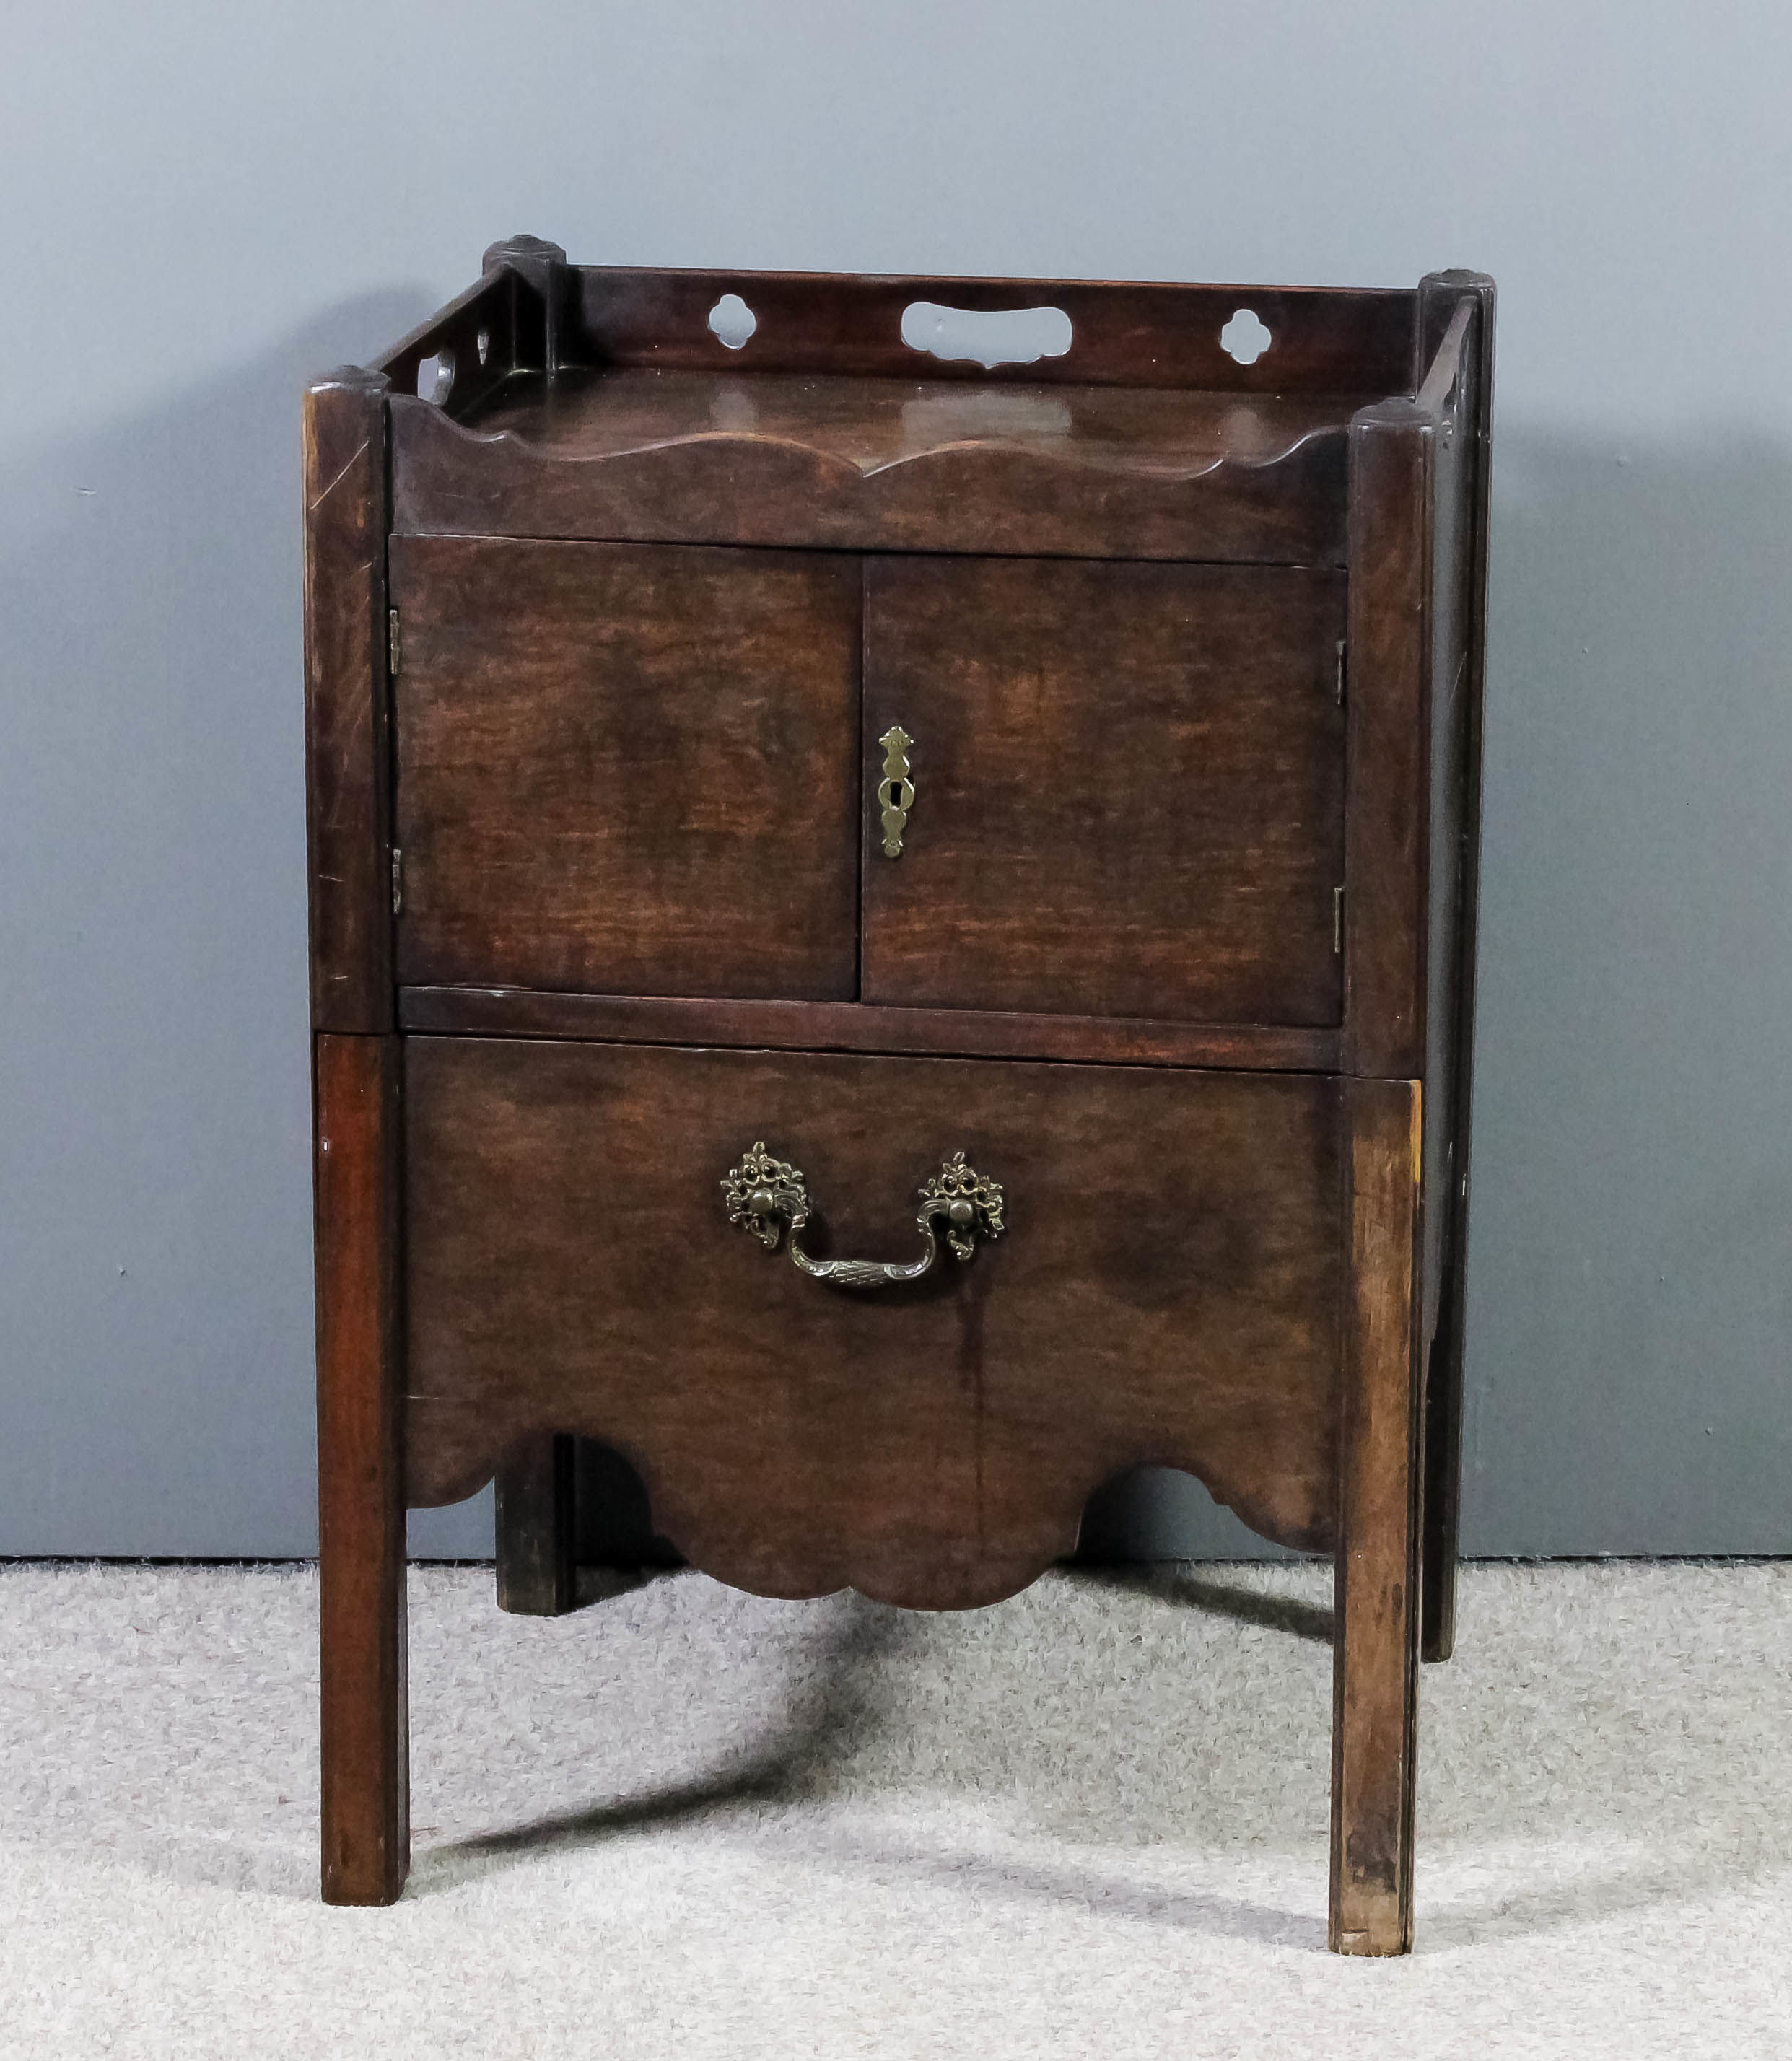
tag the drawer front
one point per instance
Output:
(1128, 788)
(1164, 1291)
(627, 769)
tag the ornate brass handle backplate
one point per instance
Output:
(766, 1196)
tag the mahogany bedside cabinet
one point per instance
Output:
(893, 873)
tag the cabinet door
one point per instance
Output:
(1128, 788)
(628, 768)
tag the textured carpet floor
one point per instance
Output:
(1091, 1821)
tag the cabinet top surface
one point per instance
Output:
(871, 424)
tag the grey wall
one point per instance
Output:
(201, 205)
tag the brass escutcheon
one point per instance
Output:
(896, 789)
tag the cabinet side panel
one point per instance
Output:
(1459, 550)
(345, 732)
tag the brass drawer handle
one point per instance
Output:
(895, 790)
(766, 1196)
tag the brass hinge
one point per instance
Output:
(1337, 919)
(1340, 659)
(397, 881)
(392, 642)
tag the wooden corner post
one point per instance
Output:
(1375, 1668)
(1387, 948)
(1386, 772)
(347, 718)
(539, 339)
(355, 1082)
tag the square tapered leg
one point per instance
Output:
(360, 1515)
(1375, 1668)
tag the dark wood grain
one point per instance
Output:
(1392, 449)
(854, 1026)
(1460, 374)
(1324, 340)
(1165, 1294)
(537, 1529)
(1375, 1677)
(897, 465)
(347, 789)
(1129, 788)
(361, 1528)
(626, 769)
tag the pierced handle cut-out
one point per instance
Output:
(766, 1196)
(986, 336)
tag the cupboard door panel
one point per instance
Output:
(1128, 788)
(627, 769)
